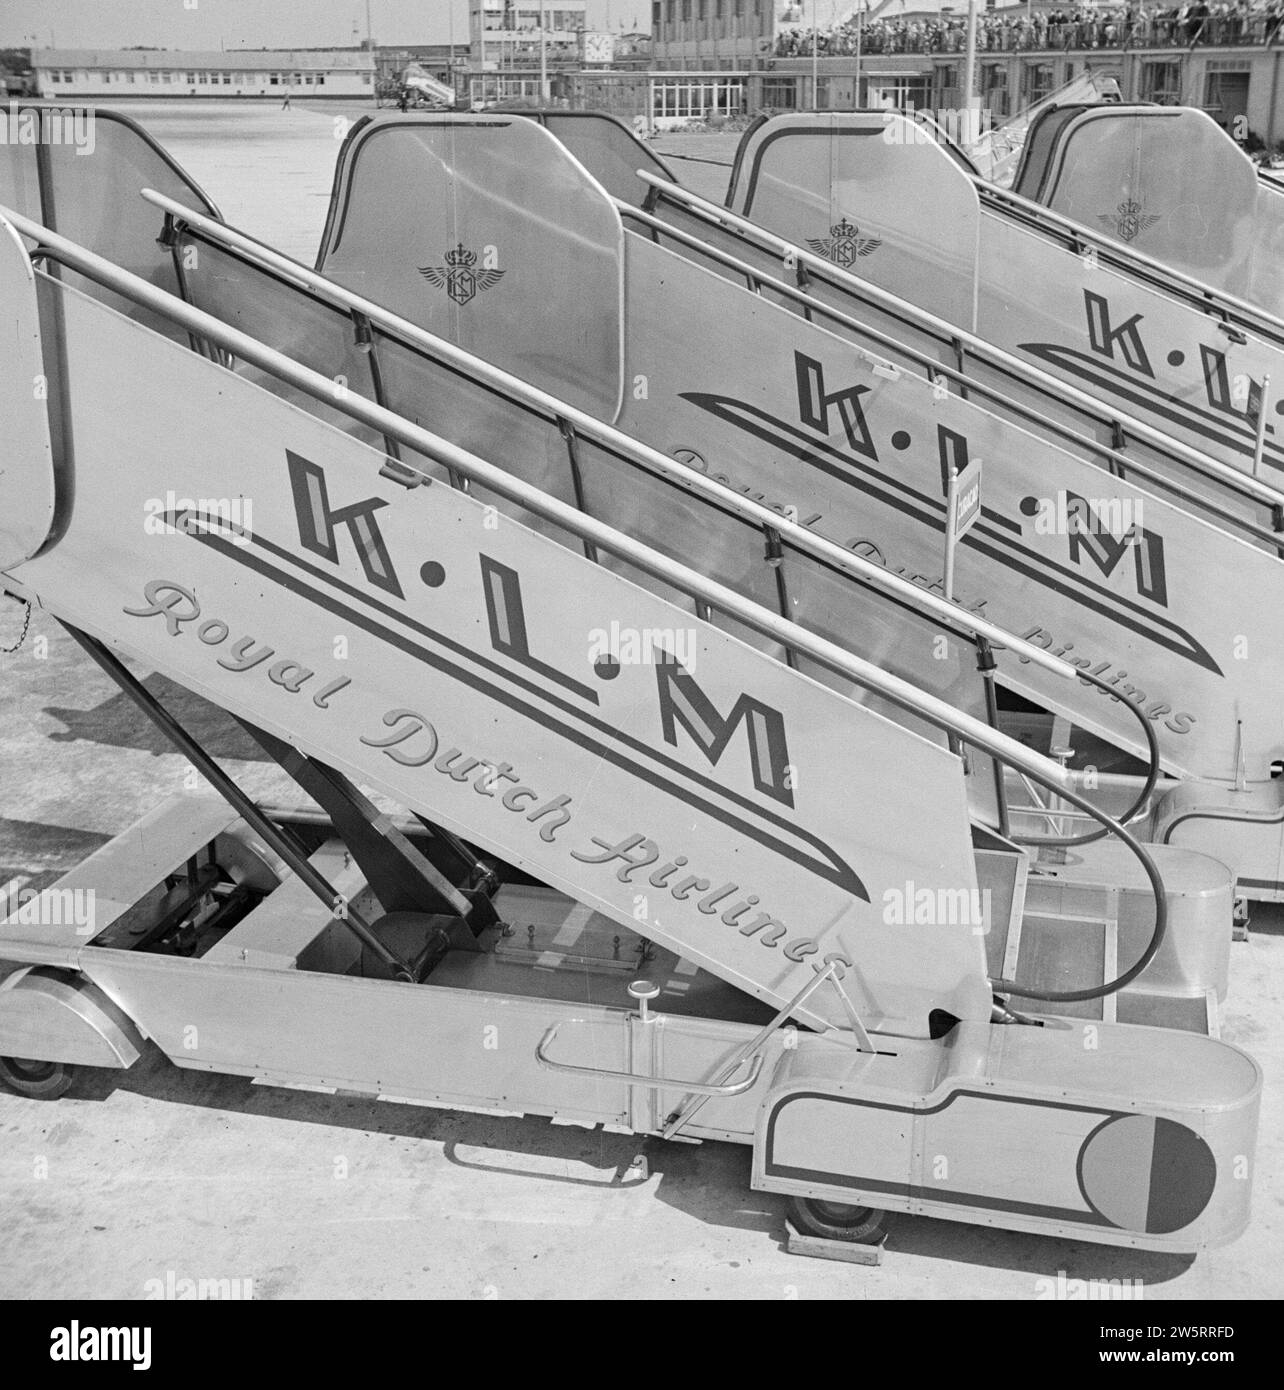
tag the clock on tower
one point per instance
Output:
(597, 48)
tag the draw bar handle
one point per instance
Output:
(655, 1083)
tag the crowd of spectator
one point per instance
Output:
(1081, 27)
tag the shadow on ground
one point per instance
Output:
(117, 723)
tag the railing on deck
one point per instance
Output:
(1020, 34)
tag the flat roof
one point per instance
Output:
(234, 60)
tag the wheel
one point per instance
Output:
(42, 1080)
(837, 1220)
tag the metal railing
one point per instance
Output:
(367, 314)
(625, 446)
(1227, 308)
(1008, 34)
(809, 266)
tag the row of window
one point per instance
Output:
(681, 98)
(1161, 82)
(156, 76)
(673, 11)
(528, 18)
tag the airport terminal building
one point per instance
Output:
(911, 54)
(132, 73)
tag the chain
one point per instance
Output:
(22, 636)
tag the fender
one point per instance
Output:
(58, 1016)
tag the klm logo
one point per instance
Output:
(329, 531)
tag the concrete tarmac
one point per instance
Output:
(159, 1175)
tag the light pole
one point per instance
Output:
(543, 59)
(815, 56)
(860, 36)
(969, 58)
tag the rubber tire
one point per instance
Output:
(39, 1080)
(837, 1220)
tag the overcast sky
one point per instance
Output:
(210, 24)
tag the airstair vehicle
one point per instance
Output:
(1181, 989)
(1229, 801)
(429, 90)
(997, 151)
(724, 889)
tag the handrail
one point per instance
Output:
(799, 537)
(825, 653)
(1140, 803)
(1208, 297)
(779, 629)
(633, 449)
(1193, 458)
(1067, 436)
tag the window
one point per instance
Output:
(994, 88)
(1038, 81)
(227, 79)
(1161, 83)
(907, 93)
(780, 93)
(1226, 96)
(320, 79)
(698, 98)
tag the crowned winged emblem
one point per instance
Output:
(1128, 221)
(844, 243)
(458, 278)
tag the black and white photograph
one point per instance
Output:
(641, 659)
